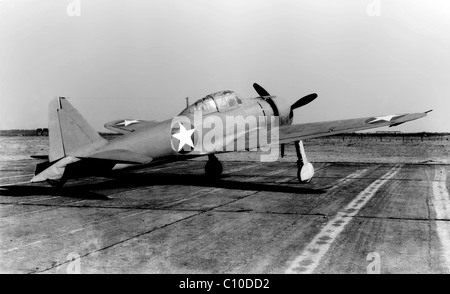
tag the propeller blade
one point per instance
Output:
(303, 101)
(260, 90)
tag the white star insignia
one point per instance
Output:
(184, 136)
(383, 118)
(127, 122)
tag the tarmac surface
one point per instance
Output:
(352, 218)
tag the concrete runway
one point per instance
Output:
(352, 218)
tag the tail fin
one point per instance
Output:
(69, 132)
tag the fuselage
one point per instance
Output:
(218, 119)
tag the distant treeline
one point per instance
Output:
(18, 132)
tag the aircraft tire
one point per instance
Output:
(57, 184)
(213, 169)
(300, 178)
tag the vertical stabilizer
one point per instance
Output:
(69, 132)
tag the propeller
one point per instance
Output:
(260, 90)
(303, 101)
(299, 103)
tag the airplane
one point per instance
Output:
(77, 150)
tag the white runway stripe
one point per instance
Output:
(441, 205)
(319, 246)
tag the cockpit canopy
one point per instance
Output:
(220, 101)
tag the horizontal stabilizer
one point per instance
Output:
(126, 126)
(40, 167)
(120, 156)
(52, 170)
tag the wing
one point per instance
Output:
(298, 132)
(125, 126)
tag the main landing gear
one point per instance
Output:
(213, 167)
(305, 170)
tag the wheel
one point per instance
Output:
(305, 173)
(300, 178)
(213, 169)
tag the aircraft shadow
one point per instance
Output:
(127, 180)
(198, 180)
(79, 192)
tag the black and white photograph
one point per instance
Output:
(224, 137)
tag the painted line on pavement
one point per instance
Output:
(310, 258)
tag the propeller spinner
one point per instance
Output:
(299, 103)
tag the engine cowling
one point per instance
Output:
(281, 108)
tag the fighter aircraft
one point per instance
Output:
(77, 150)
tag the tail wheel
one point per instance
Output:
(57, 183)
(213, 167)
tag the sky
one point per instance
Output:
(140, 59)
